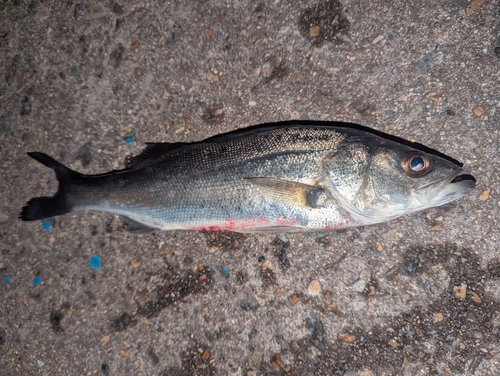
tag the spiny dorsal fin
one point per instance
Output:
(292, 192)
(152, 151)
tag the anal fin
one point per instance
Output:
(136, 227)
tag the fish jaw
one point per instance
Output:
(445, 191)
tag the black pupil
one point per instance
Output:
(417, 164)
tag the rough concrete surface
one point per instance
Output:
(416, 296)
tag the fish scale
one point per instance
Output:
(278, 178)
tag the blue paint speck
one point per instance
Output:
(128, 140)
(46, 225)
(30, 175)
(225, 271)
(37, 280)
(95, 262)
(217, 267)
(6, 280)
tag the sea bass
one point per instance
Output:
(281, 178)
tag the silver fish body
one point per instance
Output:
(279, 178)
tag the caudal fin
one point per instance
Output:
(46, 207)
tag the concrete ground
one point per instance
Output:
(90, 82)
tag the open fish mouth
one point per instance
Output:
(464, 177)
(450, 190)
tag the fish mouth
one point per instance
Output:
(464, 177)
(450, 189)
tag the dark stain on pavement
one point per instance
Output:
(176, 287)
(227, 241)
(55, 321)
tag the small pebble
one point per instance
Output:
(346, 337)
(393, 343)
(262, 258)
(434, 97)
(377, 39)
(314, 287)
(484, 196)
(476, 298)
(265, 265)
(95, 262)
(6, 280)
(37, 280)
(438, 317)
(460, 291)
(252, 103)
(105, 339)
(478, 111)
(46, 225)
(205, 355)
(293, 299)
(40, 363)
(314, 31)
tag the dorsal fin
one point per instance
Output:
(152, 151)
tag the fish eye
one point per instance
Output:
(415, 164)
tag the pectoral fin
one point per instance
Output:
(291, 192)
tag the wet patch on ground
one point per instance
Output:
(281, 249)
(176, 287)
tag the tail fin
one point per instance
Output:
(46, 207)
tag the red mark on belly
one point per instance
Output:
(234, 225)
(286, 222)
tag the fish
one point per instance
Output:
(282, 177)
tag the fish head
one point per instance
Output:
(379, 179)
